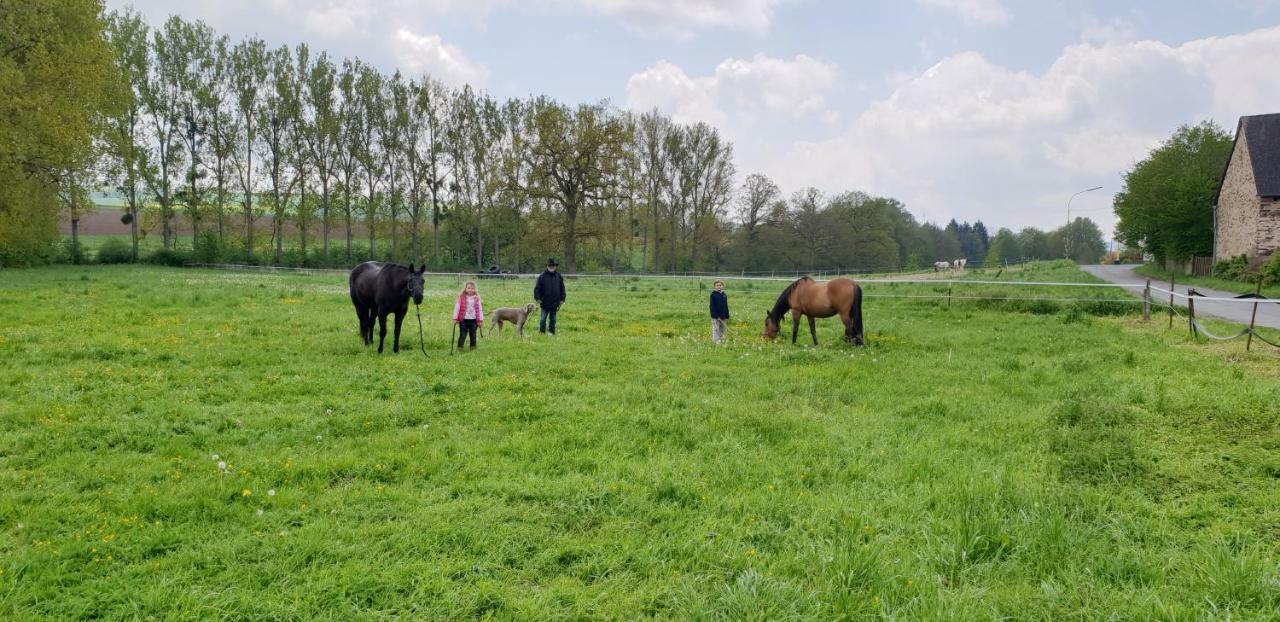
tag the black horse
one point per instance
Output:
(380, 288)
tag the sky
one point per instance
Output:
(991, 110)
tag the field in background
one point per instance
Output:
(192, 444)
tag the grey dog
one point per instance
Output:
(516, 316)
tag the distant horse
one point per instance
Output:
(813, 299)
(380, 288)
(959, 263)
(939, 266)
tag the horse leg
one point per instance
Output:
(360, 318)
(370, 318)
(395, 345)
(846, 319)
(382, 329)
(795, 326)
(813, 332)
(856, 315)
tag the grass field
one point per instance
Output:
(188, 444)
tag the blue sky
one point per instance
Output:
(971, 109)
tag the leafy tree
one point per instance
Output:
(1004, 247)
(276, 117)
(57, 78)
(1034, 244)
(319, 133)
(1166, 204)
(164, 99)
(126, 147)
(574, 156)
(248, 78)
(1080, 241)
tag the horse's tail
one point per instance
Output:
(856, 312)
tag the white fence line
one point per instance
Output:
(950, 283)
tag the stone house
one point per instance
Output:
(1246, 214)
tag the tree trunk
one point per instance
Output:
(570, 239)
(302, 224)
(369, 215)
(347, 198)
(133, 223)
(435, 227)
(75, 240)
(324, 215)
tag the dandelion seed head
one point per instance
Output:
(259, 512)
(216, 456)
(222, 465)
(271, 492)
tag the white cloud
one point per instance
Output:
(972, 139)
(416, 54)
(682, 17)
(343, 18)
(981, 12)
(737, 90)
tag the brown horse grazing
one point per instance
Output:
(813, 299)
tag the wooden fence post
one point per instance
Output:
(1146, 302)
(1191, 316)
(1254, 317)
(949, 284)
(1173, 284)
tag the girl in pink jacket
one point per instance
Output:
(468, 312)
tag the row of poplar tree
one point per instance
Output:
(284, 155)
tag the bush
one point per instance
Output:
(1271, 270)
(169, 257)
(115, 250)
(1231, 269)
(208, 249)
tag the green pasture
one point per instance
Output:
(181, 444)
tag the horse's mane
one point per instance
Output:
(784, 300)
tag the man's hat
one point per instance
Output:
(551, 261)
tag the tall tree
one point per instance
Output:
(1166, 205)
(573, 158)
(276, 117)
(372, 103)
(391, 141)
(1004, 248)
(214, 102)
(164, 100)
(196, 79)
(127, 149)
(248, 79)
(55, 86)
(651, 132)
(347, 152)
(320, 133)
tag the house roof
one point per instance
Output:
(1262, 133)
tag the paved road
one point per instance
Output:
(1268, 314)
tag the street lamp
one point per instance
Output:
(1066, 244)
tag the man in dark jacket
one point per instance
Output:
(549, 294)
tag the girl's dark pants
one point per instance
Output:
(468, 328)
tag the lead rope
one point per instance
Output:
(421, 344)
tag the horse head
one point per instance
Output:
(413, 286)
(770, 326)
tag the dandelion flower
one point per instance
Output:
(246, 492)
